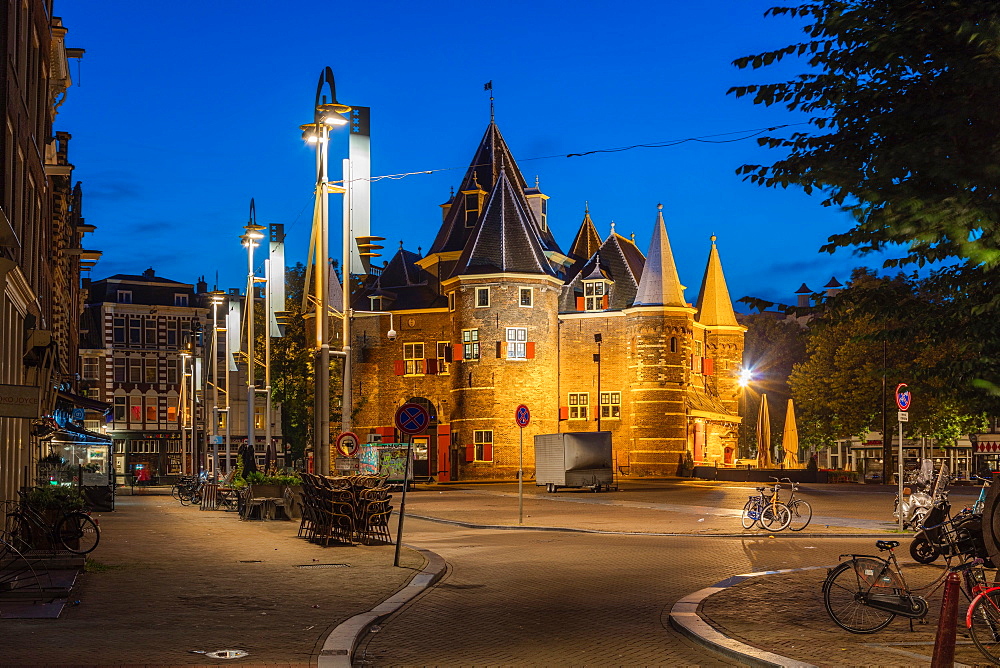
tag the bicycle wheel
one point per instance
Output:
(984, 624)
(802, 514)
(78, 533)
(775, 517)
(844, 592)
(750, 515)
(175, 492)
(185, 496)
(922, 550)
(196, 498)
(16, 532)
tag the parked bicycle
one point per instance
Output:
(766, 510)
(799, 509)
(188, 490)
(28, 529)
(866, 592)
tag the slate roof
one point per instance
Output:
(505, 239)
(587, 239)
(403, 284)
(620, 261)
(492, 158)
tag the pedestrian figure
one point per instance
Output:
(142, 477)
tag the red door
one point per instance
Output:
(443, 453)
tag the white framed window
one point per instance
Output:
(119, 409)
(150, 370)
(482, 297)
(594, 293)
(171, 409)
(124, 296)
(483, 441)
(451, 301)
(526, 297)
(413, 357)
(91, 368)
(699, 348)
(611, 405)
(150, 326)
(135, 370)
(118, 330)
(579, 405)
(470, 344)
(443, 348)
(172, 373)
(180, 299)
(151, 405)
(517, 346)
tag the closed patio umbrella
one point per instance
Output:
(270, 459)
(763, 435)
(790, 440)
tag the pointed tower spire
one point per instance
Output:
(660, 285)
(714, 305)
(587, 239)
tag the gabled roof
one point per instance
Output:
(587, 239)
(401, 270)
(660, 284)
(402, 283)
(617, 260)
(505, 239)
(714, 305)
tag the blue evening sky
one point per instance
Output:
(182, 111)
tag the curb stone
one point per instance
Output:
(338, 648)
(684, 618)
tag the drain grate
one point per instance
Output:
(323, 566)
(228, 654)
(251, 561)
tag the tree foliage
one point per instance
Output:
(292, 368)
(875, 334)
(902, 98)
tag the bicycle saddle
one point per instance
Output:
(886, 544)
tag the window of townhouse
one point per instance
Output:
(482, 297)
(413, 357)
(579, 405)
(483, 441)
(444, 366)
(470, 344)
(517, 346)
(611, 405)
(526, 298)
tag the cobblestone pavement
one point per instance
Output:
(167, 580)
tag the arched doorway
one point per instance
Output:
(425, 450)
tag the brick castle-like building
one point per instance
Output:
(496, 315)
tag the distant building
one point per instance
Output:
(497, 315)
(137, 331)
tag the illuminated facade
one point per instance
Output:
(496, 315)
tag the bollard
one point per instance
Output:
(944, 642)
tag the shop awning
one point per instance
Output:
(84, 402)
(987, 447)
(71, 434)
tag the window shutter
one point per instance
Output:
(604, 302)
(470, 453)
(529, 349)
(447, 354)
(399, 366)
(580, 304)
(691, 361)
(431, 365)
(499, 349)
(458, 352)
(564, 412)
(709, 365)
(488, 452)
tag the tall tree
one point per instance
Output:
(292, 372)
(902, 95)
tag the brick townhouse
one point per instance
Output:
(496, 315)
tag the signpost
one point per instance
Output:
(522, 416)
(410, 419)
(903, 401)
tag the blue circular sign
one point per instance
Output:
(903, 397)
(523, 416)
(412, 419)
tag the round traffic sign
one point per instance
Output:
(522, 416)
(903, 397)
(412, 419)
(348, 444)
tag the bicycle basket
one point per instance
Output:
(969, 538)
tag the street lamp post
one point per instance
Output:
(216, 298)
(325, 115)
(182, 412)
(743, 381)
(597, 358)
(250, 238)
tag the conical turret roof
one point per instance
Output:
(505, 238)
(660, 284)
(714, 305)
(492, 158)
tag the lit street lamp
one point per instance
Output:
(216, 298)
(325, 115)
(744, 379)
(250, 241)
